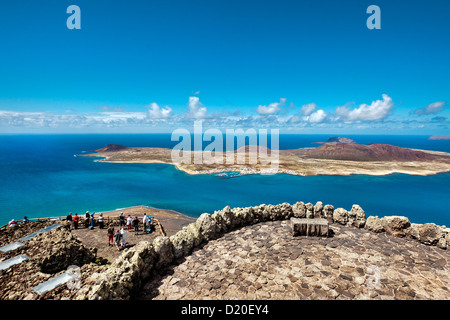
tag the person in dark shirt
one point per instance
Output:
(69, 218)
(136, 225)
(121, 220)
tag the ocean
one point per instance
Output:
(41, 177)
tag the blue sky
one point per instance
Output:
(152, 66)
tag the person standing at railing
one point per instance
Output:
(92, 221)
(145, 221)
(76, 218)
(69, 219)
(101, 221)
(86, 219)
(121, 220)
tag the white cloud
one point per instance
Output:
(432, 108)
(155, 112)
(377, 110)
(317, 116)
(307, 109)
(272, 108)
(308, 113)
(196, 109)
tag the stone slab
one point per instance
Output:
(309, 227)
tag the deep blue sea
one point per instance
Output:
(40, 177)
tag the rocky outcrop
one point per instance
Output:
(318, 210)
(328, 212)
(396, 225)
(50, 254)
(428, 233)
(309, 210)
(340, 215)
(356, 217)
(63, 250)
(374, 224)
(299, 210)
(137, 264)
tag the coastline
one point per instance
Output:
(292, 162)
(318, 167)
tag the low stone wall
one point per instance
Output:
(126, 275)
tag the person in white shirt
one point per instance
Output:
(129, 221)
(145, 221)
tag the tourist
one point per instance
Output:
(129, 221)
(12, 223)
(110, 235)
(25, 219)
(136, 225)
(144, 221)
(117, 238)
(76, 218)
(150, 218)
(92, 221)
(124, 237)
(69, 218)
(86, 219)
(121, 220)
(101, 221)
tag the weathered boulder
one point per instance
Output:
(281, 211)
(340, 215)
(396, 225)
(196, 234)
(299, 210)
(182, 243)
(207, 226)
(144, 257)
(63, 250)
(318, 210)
(309, 210)
(260, 213)
(243, 216)
(224, 219)
(328, 212)
(428, 233)
(163, 252)
(374, 224)
(446, 232)
(356, 217)
(124, 276)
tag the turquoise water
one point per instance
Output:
(40, 177)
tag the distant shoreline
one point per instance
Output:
(300, 162)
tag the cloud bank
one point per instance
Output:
(375, 115)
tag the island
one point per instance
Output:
(330, 158)
(440, 137)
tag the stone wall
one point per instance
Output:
(124, 278)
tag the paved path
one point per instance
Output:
(264, 261)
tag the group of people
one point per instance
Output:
(134, 223)
(115, 237)
(13, 222)
(88, 220)
(118, 238)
